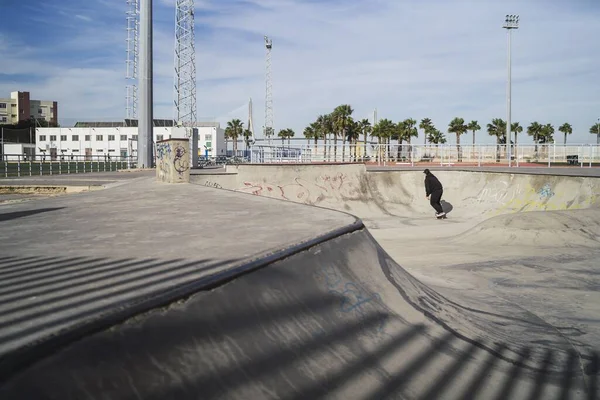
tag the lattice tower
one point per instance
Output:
(131, 62)
(185, 65)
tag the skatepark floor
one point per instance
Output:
(482, 305)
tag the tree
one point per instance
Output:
(595, 130)
(341, 121)
(473, 126)
(316, 128)
(247, 135)
(535, 131)
(426, 125)
(309, 133)
(566, 129)
(353, 134)
(497, 128)
(383, 131)
(236, 128)
(286, 134)
(365, 129)
(516, 128)
(547, 133)
(410, 131)
(458, 127)
(325, 122)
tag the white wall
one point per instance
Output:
(98, 140)
(16, 151)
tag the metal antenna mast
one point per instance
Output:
(185, 65)
(131, 62)
(269, 130)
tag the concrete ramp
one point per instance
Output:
(339, 320)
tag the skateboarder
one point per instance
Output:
(433, 192)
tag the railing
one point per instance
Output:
(18, 165)
(419, 154)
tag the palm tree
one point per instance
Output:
(341, 118)
(282, 134)
(458, 127)
(535, 130)
(566, 129)
(365, 129)
(236, 128)
(316, 134)
(247, 135)
(595, 130)
(309, 133)
(498, 129)
(227, 137)
(353, 134)
(383, 131)
(473, 126)
(426, 125)
(410, 131)
(516, 128)
(436, 137)
(323, 124)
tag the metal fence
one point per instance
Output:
(18, 165)
(419, 154)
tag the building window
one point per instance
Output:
(75, 151)
(159, 138)
(42, 138)
(3, 119)
(53, 138)
(75, 138)
(2, 105)
(123, 137)
(98, 138)
(111, 138)
(88, 138)
(209, 144)
(100, 150)
(40, 110)
(63, 138)
(134, 137)
(111, 150)
(208, 137)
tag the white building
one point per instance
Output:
(119, 142)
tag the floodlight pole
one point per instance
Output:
(511, 22)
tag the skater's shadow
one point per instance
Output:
(447, 207)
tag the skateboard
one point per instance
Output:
(442, 217)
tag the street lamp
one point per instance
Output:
(598, 132)
(511, 22)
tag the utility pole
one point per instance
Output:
(269, 129)
(511, 22)
(145, 124)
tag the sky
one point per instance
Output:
(438, 59)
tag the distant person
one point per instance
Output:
(433, 192)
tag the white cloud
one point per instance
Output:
(432, 58)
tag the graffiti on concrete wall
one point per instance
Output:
(546, 192)
(180, 163)
(500, 192)
(354, 297)
(213, 184)
(337, 187)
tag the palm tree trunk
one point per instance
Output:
(365, 145)
(343, 146)
(473, 149)
(335, 138)
(458, 148)
(565, 139)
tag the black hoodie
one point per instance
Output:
(432, 184)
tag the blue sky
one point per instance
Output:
(427, 58)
